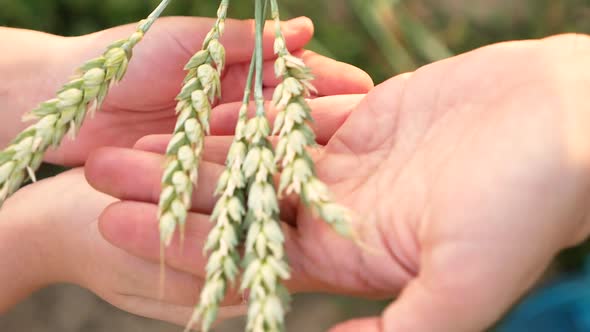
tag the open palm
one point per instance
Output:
(466, 177)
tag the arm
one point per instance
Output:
(22, 269)
(34, 237)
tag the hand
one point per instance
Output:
(467, 177)
(143, 103)
(49, 234)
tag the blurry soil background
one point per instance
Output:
(384, 37)
(67, 308)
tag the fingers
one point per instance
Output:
(175, 309)
(216, 147)
(334, 77)
(136, 175)
(376, 118)
(326, 122)
(136, 277)
(133, 227)
(175, 314)
(159, 59)
(186, 34)
(329, 114)
(416, 302)
(365, 325)
(455, 297)
(331, 77)
(239, 38)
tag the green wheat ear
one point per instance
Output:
(296, 136)
(201, 88)
(65, 114)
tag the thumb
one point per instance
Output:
(374, 119)
(460, 298)
(422, 309)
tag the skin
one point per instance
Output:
(58, 240)
(467, 177)
(53, 244)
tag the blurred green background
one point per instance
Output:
(384, 37)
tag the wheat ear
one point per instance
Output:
(265, 264)
(66, 113)
(298, 171)
(201, 88)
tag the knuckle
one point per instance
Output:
(566, 54)
(576, 44)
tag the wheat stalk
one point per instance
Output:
(299, 174)
(66, 113)
(229, 213)
(200, 90)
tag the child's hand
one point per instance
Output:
(143, 103)
(49, 234)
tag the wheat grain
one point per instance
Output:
(66, 113)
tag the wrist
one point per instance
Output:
(23, 263)
(31, 69)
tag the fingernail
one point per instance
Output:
(299, 23)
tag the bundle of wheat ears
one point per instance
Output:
(246, 241)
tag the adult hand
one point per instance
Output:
(467, 177)
(49, 234)
(143, 103)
